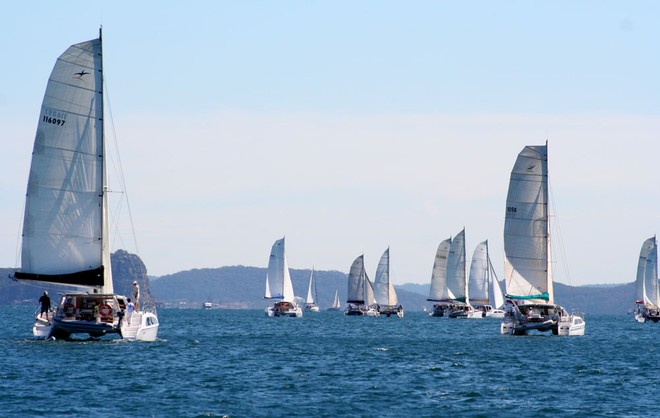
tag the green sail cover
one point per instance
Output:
(545, 296)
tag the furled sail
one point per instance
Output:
(384, 292)
(439, 291)
(526, 233)
(65, 237)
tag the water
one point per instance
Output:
(243, 364)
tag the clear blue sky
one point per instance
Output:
(350, 126)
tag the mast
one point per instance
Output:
(105, 240)
(546, 180)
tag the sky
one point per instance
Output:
(353, 126)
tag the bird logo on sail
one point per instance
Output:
(79, 75)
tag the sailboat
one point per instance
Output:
(278, 284)
(361, 299)
(310, 302)
(336, 305)
(384, 291)
(528, 260)
(65, 228)
(483, 287)
(646, 286)
(449, 280)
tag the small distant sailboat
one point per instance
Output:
(483, 286)
(527, 261)
(207, 305)
(361, 299)
(449, 280)
(336, 304)
(278, 284)
(65, 228)
(310, 302)
(384, 291)
(646, 285)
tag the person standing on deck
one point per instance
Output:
(45, 305)
(130, 307)
(136, 295)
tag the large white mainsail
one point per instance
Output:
(526, 232)
(384, 292)
(439, 291)
(479, 279)
(278, 280)
(65, 228)
(651, 292)
(456, 275)
(640, 283)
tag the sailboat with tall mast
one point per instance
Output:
(449, 280)
(646, 285)
(310, 302)
(384, 291)
(65, 238)
(278, 284)
(361, 301)
(528, 260)
(336, 304)
(483, 286)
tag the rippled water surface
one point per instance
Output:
(243, 364)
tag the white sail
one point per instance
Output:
(479, 279)
(456, 278)
(651, 295)
(311, 290)
(369, 298)
(278, 280)
(439, 291)
(384, 292)
(65, 228)
(497, 298)
(335, 303)
(640, 293)
(356, 283)
(526, 230)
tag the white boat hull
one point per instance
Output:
(295, 312)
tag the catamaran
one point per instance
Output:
(65, 228)
(384, 291)
(278, 284)
(646, 285)
(361, 299)
(527, 262)
(449, 281)
(310, 302)
(483, 286)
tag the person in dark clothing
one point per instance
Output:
(45, 305)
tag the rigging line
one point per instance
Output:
(19, 247)
(559, 240)
(119, 169)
